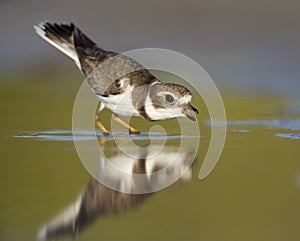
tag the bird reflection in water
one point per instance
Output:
(98, 200)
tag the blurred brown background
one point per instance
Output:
(248, 45)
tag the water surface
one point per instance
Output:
(252, 194)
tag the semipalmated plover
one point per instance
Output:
(122, 84)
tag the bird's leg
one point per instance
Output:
(100, 125)
(121, 122)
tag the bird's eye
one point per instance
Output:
(169, 98)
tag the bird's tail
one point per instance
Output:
(65, 37)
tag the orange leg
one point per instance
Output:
(101, 126)
(121, 122)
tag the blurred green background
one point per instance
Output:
(250, 49)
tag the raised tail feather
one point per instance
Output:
(65, 37)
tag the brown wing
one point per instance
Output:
(104, 69)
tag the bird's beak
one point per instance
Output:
(187, 111)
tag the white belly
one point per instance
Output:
(120, 104)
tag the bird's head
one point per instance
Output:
(169, 101)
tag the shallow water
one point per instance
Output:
(252, 194)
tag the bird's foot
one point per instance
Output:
(133, 131)
(106, 133)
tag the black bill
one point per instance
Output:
(189, 105)
(187, 111)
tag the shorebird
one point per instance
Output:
(122, 84)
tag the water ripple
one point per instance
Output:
(88, 135)
(283, 124)
(295, 136)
